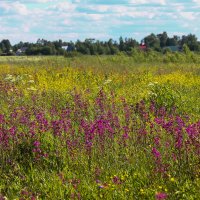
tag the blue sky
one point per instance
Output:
(28, 20)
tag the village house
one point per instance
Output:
(175, 48)
(143, 46)
(68, 48)
(21, 51)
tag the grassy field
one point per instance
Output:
(99, 128)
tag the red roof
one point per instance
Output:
(143, 46)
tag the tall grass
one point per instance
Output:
(99, 128)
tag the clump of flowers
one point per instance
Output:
(161, 196)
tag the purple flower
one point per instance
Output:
(98, 181)
(125, 136)
(116, 180)
(160, 196)
(159, 121)
(156, 153)
(157, 140)
(36, 143)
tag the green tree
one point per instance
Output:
(121, 44)
(163, 39)
(130, 43)
(5, 46)
(152, 41)
(46, 50)
(173, 41)
(191, 41)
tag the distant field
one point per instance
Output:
(99, 127)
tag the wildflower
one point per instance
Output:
(107, 81)
(127, 190)
(125, 136)
(157, 141)
(98, 181)
(31, 88)
(24, 193)
(36, 143)
(31, 81)
(116, 180)
(161, 196)
(141, 191)
(172, 179)
(151, 84)
(156, 153)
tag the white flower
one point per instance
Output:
(31, 88)
(31, 81)
(107, 81)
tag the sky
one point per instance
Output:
(28, 20)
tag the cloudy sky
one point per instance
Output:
(28, 20)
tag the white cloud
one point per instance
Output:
(178, 6)
(38, 1)
(96, 17)
(26, 28)
(196, 1)
(188, 15)
(43, 1)
(64, 7)
(161, 2)
(100, 8)
(14, 7)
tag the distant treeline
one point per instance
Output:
(160, 43)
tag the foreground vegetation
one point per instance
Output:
(99, 128)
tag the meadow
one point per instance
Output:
(99, 127)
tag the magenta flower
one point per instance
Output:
(36, 144)
(116, 180)
(157, 140)
(156, 153)
(161, 196)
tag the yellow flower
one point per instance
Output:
(141, 191)
(160, 187)
(126, 175)
(135, 174)
(172, 179)
(127, 190)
